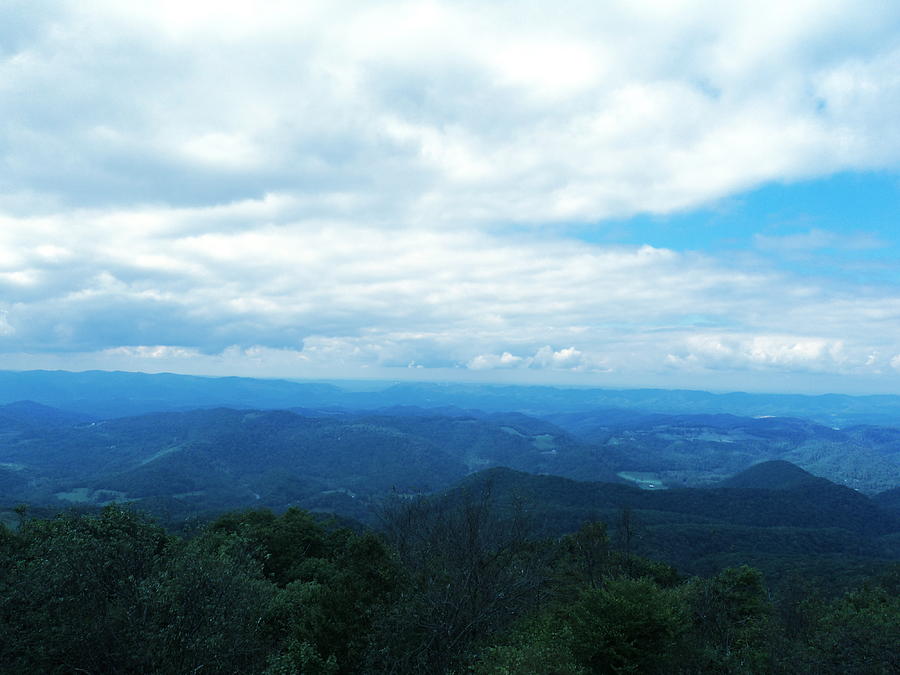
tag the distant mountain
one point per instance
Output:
(224, 458)
(704, 449)
(21, 423)
(45, 452)
(37, 414)
(835, 410)
(210, 459)
(105, 395)
(506, 439)
(772, 475)
(116, 394)
(889, 500)
(205, 461)
(814, 504)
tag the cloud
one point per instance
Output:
(5, 328)
(493, 361)
(152, 352)
(437, 114)
(546, 357)
(776, 353)
(564, 358)
(317, 294)
(314, 188)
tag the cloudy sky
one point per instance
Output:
(673, 193)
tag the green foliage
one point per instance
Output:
(206, 608)
(113, 593)
(541, 644)
(859, 633)
(732, 626)
(453, 587)
(73, 586)
(332, 585)
(285, 544)
(471, 570)
(701, 531)
(628, 625)
(590, 552)
(301, 658)
(301, 613)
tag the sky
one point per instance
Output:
(680, 193)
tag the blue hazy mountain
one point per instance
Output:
(776, 474)
(889, 500)
(115, 394)
(38, 414)
(200, 462)
(236, 457)
(703, 449)
(105, 395)
(226, 458)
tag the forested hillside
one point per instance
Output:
(180, 464)
(812, 526)
(207, 460)
(462, 587)
(705, 449)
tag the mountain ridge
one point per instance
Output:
(119, 393)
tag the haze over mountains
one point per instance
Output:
(106, 394)
(703, 484)
(436, 433)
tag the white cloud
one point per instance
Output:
(331, 185)
(5, 327)
(568, 358)
(353, 296)
(152, 352)
(433, 113)
(493, 361)
(772, 352)
(546, 357)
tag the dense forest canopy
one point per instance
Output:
(460, 586)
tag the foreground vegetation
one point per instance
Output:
(456, 587)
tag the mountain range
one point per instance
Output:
(104, 394)
(701, 490)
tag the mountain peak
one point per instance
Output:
(776, 474)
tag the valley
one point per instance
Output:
(705, 488)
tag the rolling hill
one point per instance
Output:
(802, 523)
(223, 458)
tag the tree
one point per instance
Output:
(470, 571)
(332, 585)
(589, 548)
(628, 625)
(858, 633)
(539, 644)
(113, 593)
(74, 588)
(732, 622)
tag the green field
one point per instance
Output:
(643, 479)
